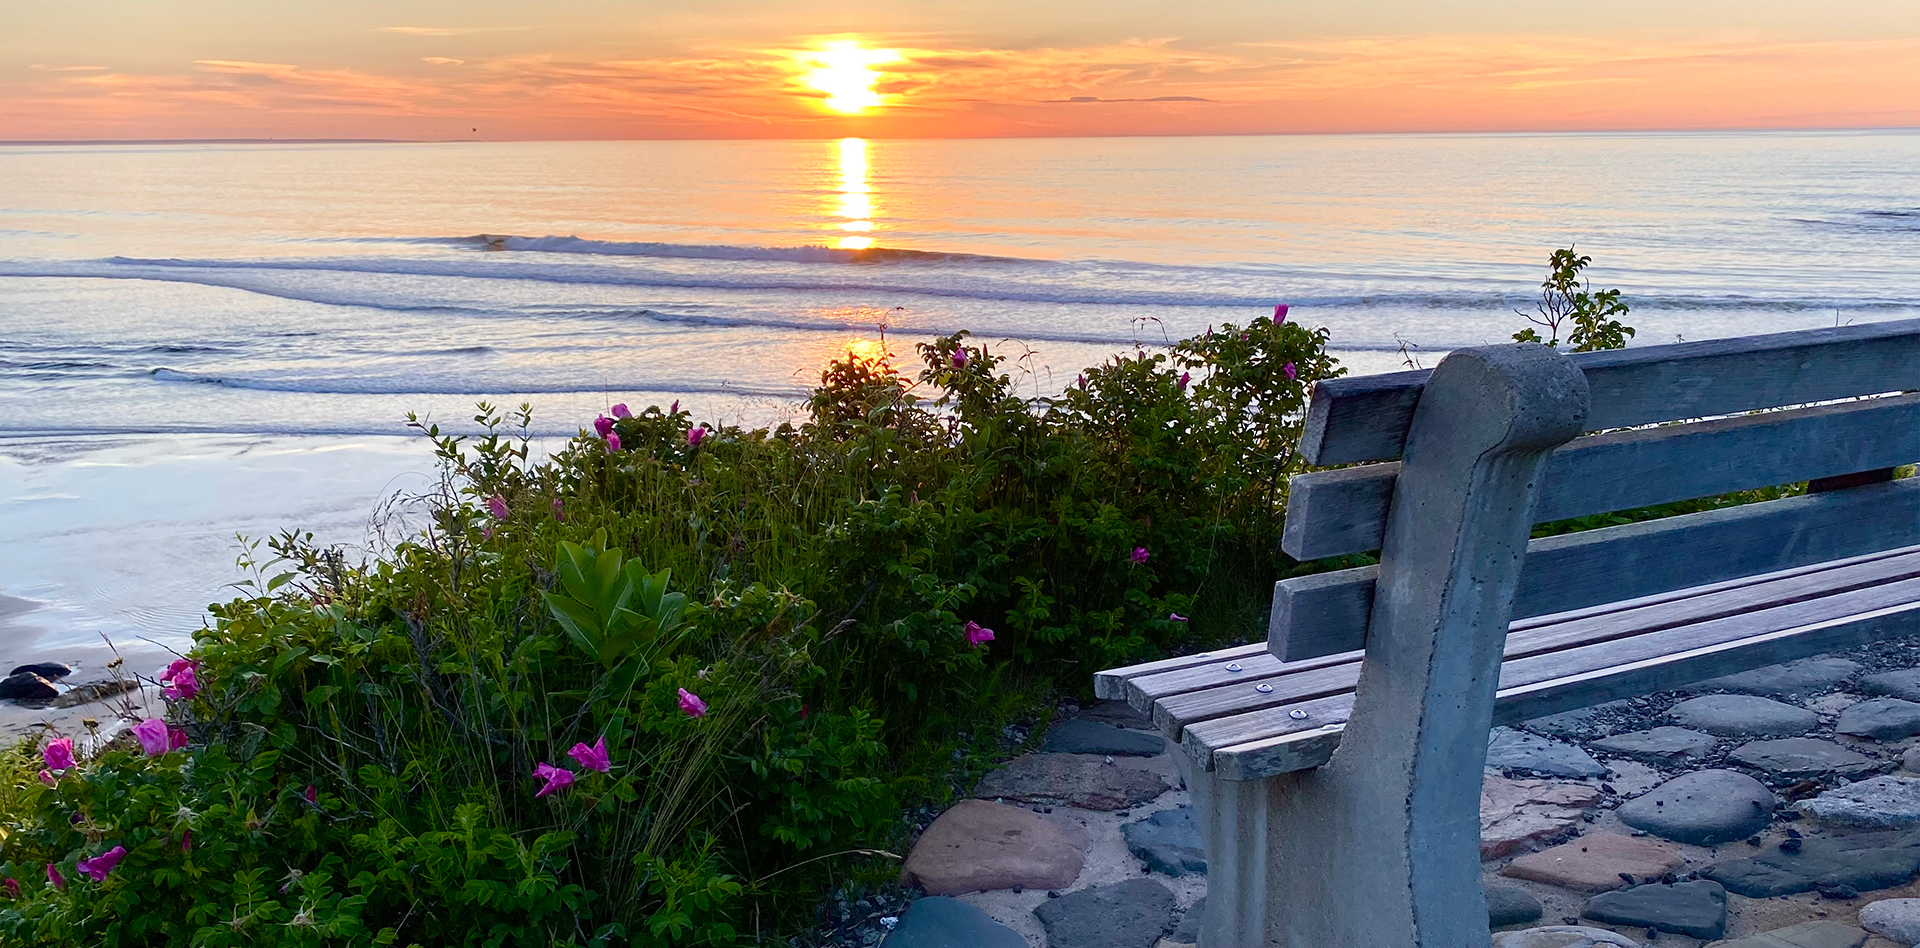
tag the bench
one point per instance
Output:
(1336, 768)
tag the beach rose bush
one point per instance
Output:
(670, 684)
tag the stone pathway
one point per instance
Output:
(1778, 808)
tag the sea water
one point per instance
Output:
(201, 340)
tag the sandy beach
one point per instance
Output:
(113, 546)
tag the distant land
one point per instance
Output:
(235, 141)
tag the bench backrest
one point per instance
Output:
(1366, 419)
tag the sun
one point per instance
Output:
(843, 69)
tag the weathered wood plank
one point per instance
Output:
(1111, 684)
(1300, 745)
(1330, 513)
(1351, 420)
(1222, 709)
(1326, 614)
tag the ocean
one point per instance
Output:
(199, 340)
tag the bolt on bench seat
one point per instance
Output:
(1336, 767)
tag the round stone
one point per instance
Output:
(940, 922)
(1130, 914)
(1903, 683)
(1743, 716)
(1703, 807)
(1662, 745)
(1792, 680)
(1563, 936)
(1882, 719)
(1800, 757)
(1511, 905)
(1880, 803)
(976, 846)
(1893, 919)
(1508, 749)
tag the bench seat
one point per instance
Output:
(1242, 714)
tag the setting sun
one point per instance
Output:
(843, 69)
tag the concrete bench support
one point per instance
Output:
(1380, 848)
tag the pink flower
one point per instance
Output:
(695, 436)
(603, 426)
(55, 878)
(486, 532)
(183, 680)
(98, 867)
(47, 777)
(58, 754)
(1280, 314)
(1292, 373)
(1185, 377)
(692, 705)
(559, 509)
(186, 842)
(13, 887)
(1081, 381)
(613, 443)
(497, 505)
(592, 758)
(1175, 617)
(959, 358)
(674, 409)
(176, 738)
(1140, 554)
(978, 635)
(620, 411)
(152, 735)
(312, 796)
(557, 778)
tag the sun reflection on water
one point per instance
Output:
(856, 198)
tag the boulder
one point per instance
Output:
(1508, 749)
(1703, 807)
(1596, 862)
(1188, 931)
(1893, 919)
(27, 686)
(1697, 908)
(1091, 737)
(976, 846)
(47, 670)
(940, 922)
(1903, 684)
(1862, 862)
(1664, 746)
(1800, 757)
(1130, 914)
(1817, 934)
(1743, 716)
(1878, 803)
(1791, 680)
(1072, 780)
(1563, 936)
(1910, 759)
(1882, 719)
(1511, 905)
(1514, 813)
(1168, 842)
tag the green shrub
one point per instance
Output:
(780, 635)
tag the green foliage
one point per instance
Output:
(1566, 299)
(786, 672)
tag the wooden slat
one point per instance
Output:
(1326, 614)
(1221, 707)
(1111, 684)
(1330, 513)
(1351, 420)
(1299, 745)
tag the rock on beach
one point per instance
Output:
(977, 845)
(1703, 807)
(1743, 716)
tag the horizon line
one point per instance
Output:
(4, 142)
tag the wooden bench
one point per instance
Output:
(1336, 768)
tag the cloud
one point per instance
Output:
(450, 30)
(441, 61)
(1158, 98)
(43, 67)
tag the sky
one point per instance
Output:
(617, 69)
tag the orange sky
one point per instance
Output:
(735, 68)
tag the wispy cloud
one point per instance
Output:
(45, 67)
(939, 89)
